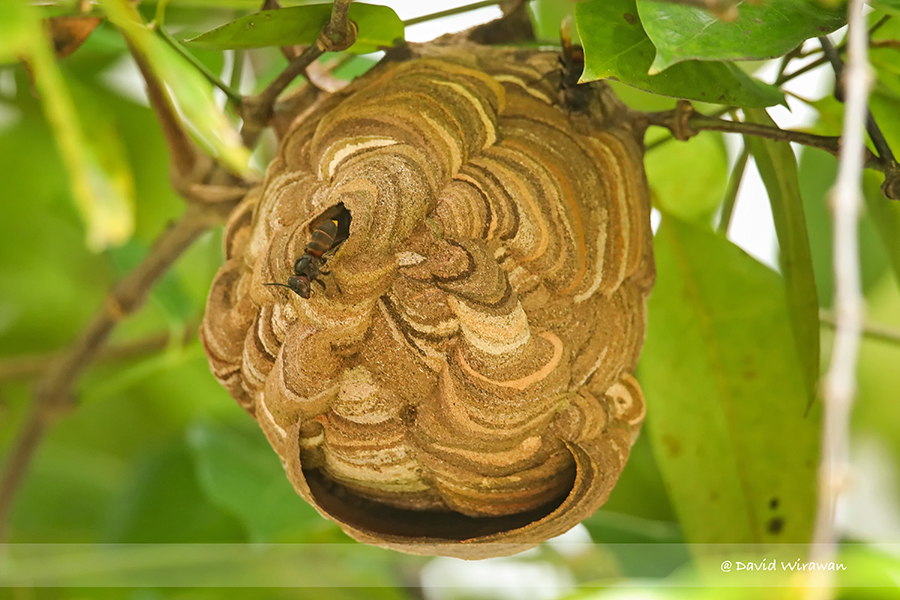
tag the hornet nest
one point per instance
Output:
(458, 381)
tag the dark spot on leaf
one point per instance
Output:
(750, 374)
(630, 19)
(776, 524)
(672, 445)
(773, 503)
(714, 496)
(822, 28)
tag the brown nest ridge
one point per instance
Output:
(462, 385)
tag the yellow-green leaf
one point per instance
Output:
(778, 168)
(379, 27)
(192, 93)
(688, 179)
(101, 188)
(726, 399)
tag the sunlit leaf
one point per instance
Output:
(778, 168)
(192, 92)
(100, 182)
(688, 179)
(762, 30)
(616, 46)
(726, 398)
(379, 27)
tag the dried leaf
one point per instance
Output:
(69, 33)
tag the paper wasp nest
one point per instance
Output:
(462, 385)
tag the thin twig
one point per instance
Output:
(670, 137)
(784, 78)
(232, 95)
(183, 154)
(338, 32)
(187, 165)
(257, 110)
(840, 381)
(881, 145)
(698, 122)
(27, 367)
(450, 12)
(731, 192)
(891, 185)
(53, 392)
(875, 331)
(337, 35)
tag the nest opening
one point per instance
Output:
(380, 519)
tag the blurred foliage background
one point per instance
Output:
(157, 453)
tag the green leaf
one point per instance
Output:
(816, 176)
(16, 30)
(547, 16)
(101, 182)
(763, 30)
(642, 548)
(244, 476)
(640, 491)
(162, 503)
(726, 395)
(777, 166)
(616, 46)
(192, 92)
(379, 27)
(688, 179)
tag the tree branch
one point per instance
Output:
(188, 167)
(338, 34)
(450, 12)
(53, 392)
(26, 367)
(183, 153)
(233, 96)
(846, 200)
(684, 124)
(783, 78)
(875, 331)
(891, 185)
